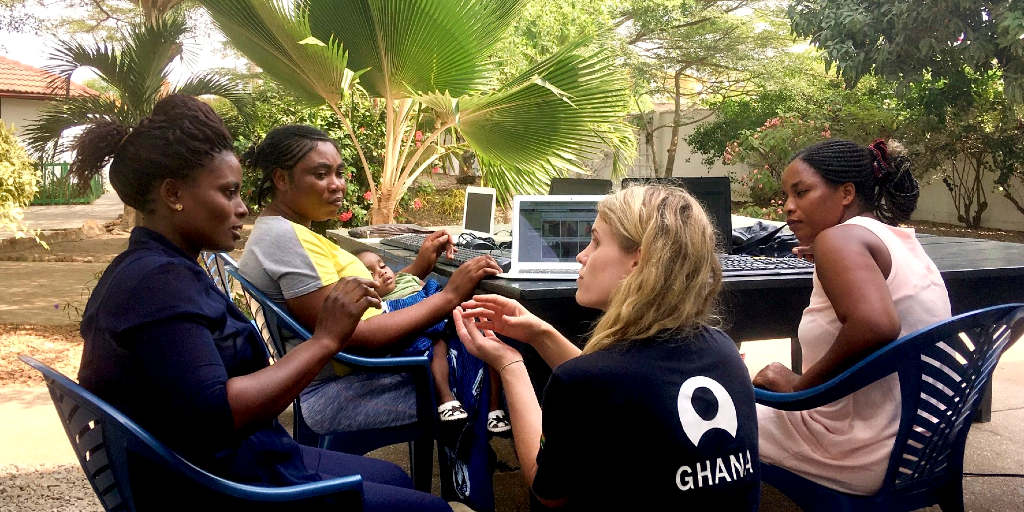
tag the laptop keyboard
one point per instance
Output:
(409, 242)
(734, 264)
(412, 242)
(541, 271)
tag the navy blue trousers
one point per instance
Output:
(386, 486)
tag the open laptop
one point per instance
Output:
(581, 186)
(713, 192)
(547, 234)
(478, 212)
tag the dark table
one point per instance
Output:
(978, 273)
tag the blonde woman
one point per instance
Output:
(657, 410)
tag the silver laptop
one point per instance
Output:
(547, 234)
(478, 212)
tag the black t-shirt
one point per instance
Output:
(161, 341)
(658, 424)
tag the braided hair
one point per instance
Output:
(282, 148)
(882, 180)
(181, 136)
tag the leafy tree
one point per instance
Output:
(686, 50)
(101, 17)
(965, 132)
(905, 40)
(18, 175)
(137, 69)
(433, 59)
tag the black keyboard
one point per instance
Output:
(739, 265)
(412, 242)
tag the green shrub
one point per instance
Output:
(18, 175)
(450, 204)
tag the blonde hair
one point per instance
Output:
(675, 285)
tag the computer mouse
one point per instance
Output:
(504, 263)
(480, 245)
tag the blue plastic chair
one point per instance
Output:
(110, 446)
(943, 370)
(216, 265)
(270, 319)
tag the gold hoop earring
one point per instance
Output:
(178, 207)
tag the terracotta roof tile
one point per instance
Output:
(22, 80)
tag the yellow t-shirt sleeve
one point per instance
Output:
(332, 262)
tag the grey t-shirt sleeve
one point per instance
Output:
(276, 262)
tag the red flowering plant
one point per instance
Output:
(767, 151)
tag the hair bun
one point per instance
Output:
(880, 158)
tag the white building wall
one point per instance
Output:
(20, 112)
(936, 205)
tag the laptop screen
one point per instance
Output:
(554, 231)
(713, 192)
(478, 216)
(562, 186)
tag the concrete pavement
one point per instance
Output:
(62, 217)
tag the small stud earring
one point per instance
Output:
(178, 207)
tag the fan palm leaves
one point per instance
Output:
(436, 59)
(137, 69)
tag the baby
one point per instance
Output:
(403, 290)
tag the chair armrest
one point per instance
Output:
(383, 363)
(882, 363)
(284, 494)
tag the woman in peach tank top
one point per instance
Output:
(873, 283)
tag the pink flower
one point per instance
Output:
(418, 135)
(827, 134)
(362, 129)
(368, 196)
(418, 144)
(778, 211)
(345, 216)
(436, 169)
(755, 171)
(417, 204)
(760, 186)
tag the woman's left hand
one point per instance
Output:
(483, 344)
(776, 377)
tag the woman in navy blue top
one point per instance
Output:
(165, 346)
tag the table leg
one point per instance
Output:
(984, 411)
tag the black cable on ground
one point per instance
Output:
(997, 475)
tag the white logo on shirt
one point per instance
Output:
(695, 426)
(711, 471)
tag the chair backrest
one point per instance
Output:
(217, 265)
(943, 371)
(269, 318)
(108, 443)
